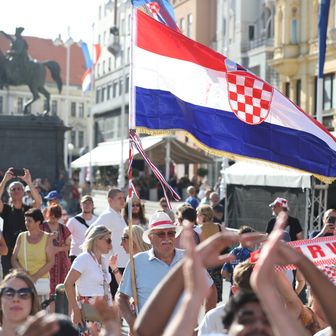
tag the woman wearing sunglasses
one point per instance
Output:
(89, 277)
(138, 212)
(19, 299)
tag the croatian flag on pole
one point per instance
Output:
(182, 85)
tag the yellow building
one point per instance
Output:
(296, 55)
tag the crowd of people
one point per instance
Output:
(180, 260)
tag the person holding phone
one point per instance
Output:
(329, 225)
(13, 212)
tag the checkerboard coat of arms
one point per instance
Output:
(249, 97)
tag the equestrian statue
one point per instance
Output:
(17, 68)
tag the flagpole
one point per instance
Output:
(131, 123)
(322, 38)
(91, 121)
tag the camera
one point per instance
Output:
(17, 171)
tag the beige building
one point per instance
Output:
(296, 55)
(197, 19)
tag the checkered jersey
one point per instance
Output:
(250, 98)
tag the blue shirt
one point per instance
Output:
(193, 201)
(149, 271)
(241, 254)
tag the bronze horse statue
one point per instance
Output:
(25, 71)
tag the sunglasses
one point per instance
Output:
(163, 234)
(22, 293)
(136, 205)
(123, 239)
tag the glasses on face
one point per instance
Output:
(163, 234)
(22, 293)
(125, 238)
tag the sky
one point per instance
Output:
(49, 18)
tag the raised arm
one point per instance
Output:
(35, 194)
(3, 245)
(262, 278)
(7, 177)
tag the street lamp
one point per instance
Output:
(70, 150)
(67, 44)
(116, 49)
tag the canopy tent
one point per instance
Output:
(248, 173)
(109, 153)
(252, 186)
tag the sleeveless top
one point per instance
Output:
(36, 253)
(209, 229)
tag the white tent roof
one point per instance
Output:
(247, 173)
(109, 153)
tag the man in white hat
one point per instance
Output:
(150, 266)
(293, 227)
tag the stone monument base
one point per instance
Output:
(33, 142)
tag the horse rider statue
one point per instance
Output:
(18, 52)
(18, 68)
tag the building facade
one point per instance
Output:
(296, 56)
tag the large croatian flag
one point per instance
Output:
(182, 85)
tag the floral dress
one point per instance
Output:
(62, 262)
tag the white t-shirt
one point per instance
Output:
(77, 230)
(212, 322)
(113, 221)
(91, 280)
(325, 332)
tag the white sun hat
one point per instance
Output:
(160, 221)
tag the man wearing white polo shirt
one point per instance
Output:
(111, 218)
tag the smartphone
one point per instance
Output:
(18, 171)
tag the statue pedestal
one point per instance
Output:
(33, 142)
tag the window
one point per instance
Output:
(251, 33)
(73, 109)
(328, 83)
(127, 85)
(99, 12)
(120, 87)
(298, 92)
(97, 95)
(294, 29)
(104, 38)
(1, 105)
(328, 92)
(80, 139)
(123, 31)
(128, 54)
(45, 105)
(189, 25)
(108, 92)
(109, 63)
(287, 89)
(81, 110)
(103, 92)
(182, 25)
(73, 138)
(54, 107)
(19, 106)
(115, 86)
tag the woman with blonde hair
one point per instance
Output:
(89, 277)
(138, 246)
(18, 301)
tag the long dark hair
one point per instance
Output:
(141, 215)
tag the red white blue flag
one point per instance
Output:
(160, 10)
(90, 61)
(182, 85)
